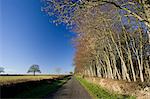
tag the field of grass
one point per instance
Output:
(100, 93)
(24, 86)
(6, 80)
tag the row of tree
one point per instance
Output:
(112, 36)
(113, 43)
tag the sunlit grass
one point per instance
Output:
(17, 79)
(100, 93)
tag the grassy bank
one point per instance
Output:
(99, 93)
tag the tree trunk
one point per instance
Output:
(34, 73)
(114, 63)
(110, 74)
(124, 68)
(139, 62)
(95, 69)
(130, 57)
(104, 69)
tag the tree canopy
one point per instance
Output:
(113, 38)
(34, 68)
(1, 70)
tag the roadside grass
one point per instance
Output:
(98, 92)
(42, 90)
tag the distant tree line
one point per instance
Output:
(35, 69)
(2, 70)
(112, 36)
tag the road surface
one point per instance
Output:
(71, 90)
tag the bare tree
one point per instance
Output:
(112, 40)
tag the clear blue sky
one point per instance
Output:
(27, 37)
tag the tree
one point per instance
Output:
(111, 41)
(34, 68)
(71, 73)
(1, 70)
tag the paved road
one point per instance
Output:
(71, 90)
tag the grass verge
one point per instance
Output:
(43, 89)
(100, 93)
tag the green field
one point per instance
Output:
(6, 80)
(43, 90)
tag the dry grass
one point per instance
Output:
(6, 80)
(101, 93)
(121, 87)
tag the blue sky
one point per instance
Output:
(27, 37)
